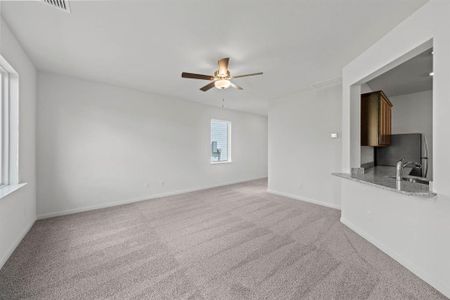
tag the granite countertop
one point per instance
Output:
(381, 177)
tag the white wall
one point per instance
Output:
(412, 230)
(302, 155)
(100, 145)
(413, 113)
(18, 210)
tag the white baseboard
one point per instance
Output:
(15, 244)
(305, 199)
(441, 286)
(128, 201)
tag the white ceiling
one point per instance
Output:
(410, 77)
(147, 44)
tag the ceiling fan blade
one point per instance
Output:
(247, 75)
(223, 65)
(208, 86)
(235, 86)
(196, 76)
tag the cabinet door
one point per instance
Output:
(381, 122)
(385, 123)
(375, 120)
(370, 108)
(389, 125)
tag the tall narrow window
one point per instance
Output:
(4, 162)
(220, 141)
(9, 126)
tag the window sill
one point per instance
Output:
(9, 189)
(220, 162)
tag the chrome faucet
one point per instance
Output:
(400, 165)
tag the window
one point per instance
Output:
(220, 141)
(4, 162)
(9, 127)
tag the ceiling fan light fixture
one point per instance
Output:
(222, 84)
(221, 77)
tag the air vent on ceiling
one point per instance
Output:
(59, 4)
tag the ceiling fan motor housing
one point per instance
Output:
(218, 75)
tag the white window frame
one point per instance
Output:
(4, 127)
(228, 144)
(9, 129)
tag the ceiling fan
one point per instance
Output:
(221, 78)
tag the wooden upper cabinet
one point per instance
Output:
(376, 119)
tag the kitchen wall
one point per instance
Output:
(18, 210)
(413, 113)
(101, 145)
(302, 155)
(367, 152)
(412, 230)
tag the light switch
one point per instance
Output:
(334, 135)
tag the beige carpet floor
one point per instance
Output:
(233, 242)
